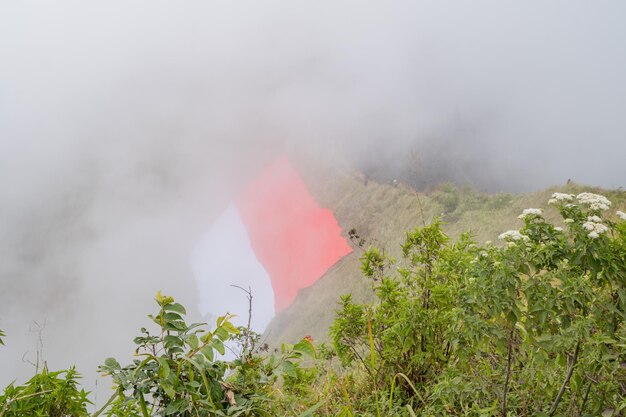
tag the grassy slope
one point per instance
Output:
(381, 213)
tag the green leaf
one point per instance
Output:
(112, 363)
(221, 333)
(177, 407)
(172, 341)
(169, 390)
(173, 317)
(206, 338)
(193, 341)
(288, 368)
(306, 347)
(309, 412)
(228, 326)
(176, 326)
(164, 368)
(219, 321)
(218, 345)
(178, 308)
(207, 351)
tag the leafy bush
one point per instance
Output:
(180, 373)
(50, 394)
(535, 326)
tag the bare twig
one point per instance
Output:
(419, 203)
(247, 341)
(37, 328)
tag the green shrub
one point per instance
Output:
(180, 374)
(50, 394)
(535, 326)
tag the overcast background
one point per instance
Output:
(126, 127)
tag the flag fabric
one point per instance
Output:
(274, 239)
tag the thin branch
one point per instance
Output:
(23, 397)
(570, 371)
(248, 337)
(419, 202)
(249, 296)
(585, 397)
(113, 397)
(508, 371)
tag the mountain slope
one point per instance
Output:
(380, 214)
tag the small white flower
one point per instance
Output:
(589, 225)
(568, 221)
(595, 229)
(594, 219)
(558, 229)
(530, 211)
(557, 197)
(594, 201)
(513, 235)
(621, 215)
(488, 243)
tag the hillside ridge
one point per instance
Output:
(379, 215)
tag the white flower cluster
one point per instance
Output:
(530, 211)
(621, 215)
(595, 201)
(568, 221)
(558, 229)
(513, 235)
(594, 226)
(560, 197)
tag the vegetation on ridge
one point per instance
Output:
(535, 326)
(380, 214)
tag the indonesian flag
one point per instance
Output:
(274, 239)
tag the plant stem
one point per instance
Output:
(247, 339)
(23, 397)
(570, 371)
(373, 363)
(113, 397)
(508, 371)
(142, 403)
(585, 397)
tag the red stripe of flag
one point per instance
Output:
(294, 238)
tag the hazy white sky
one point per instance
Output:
(125, 127)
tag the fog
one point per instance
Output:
(127, 127)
